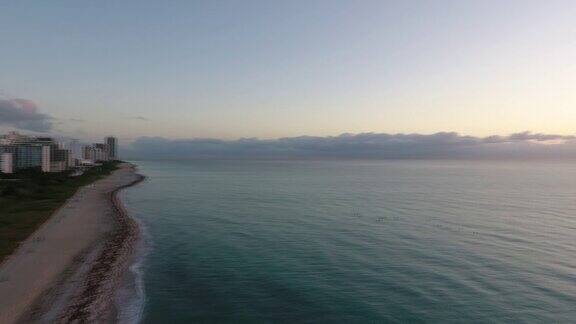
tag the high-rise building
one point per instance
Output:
(6, 163)
(46, 157)
(27, 156)
(54, 158)
(33, 152)
(44, 153)
(75, 149)
(100, 152)
(13, 138)
(112, 146)
(23, 155)
(88, 153)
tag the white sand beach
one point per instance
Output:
(67, 270)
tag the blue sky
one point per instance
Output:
(268, 69)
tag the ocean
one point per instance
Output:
(354, 242)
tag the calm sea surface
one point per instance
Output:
(357, 242)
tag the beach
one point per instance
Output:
(70, 268)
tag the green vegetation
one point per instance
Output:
(28, 198)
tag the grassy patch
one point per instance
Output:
(28, 198)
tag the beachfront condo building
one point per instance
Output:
(19, 152)
(100, 152)
(112, 147)
(55, 158)
(6, 163)
(20, 156)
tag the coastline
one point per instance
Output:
(70, 268)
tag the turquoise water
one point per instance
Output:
(357, 242)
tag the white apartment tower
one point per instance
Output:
(46, 156)
(6, 163)
(111, 147)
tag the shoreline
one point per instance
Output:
(70, 269)
(95, 302)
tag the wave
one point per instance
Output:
(131, 297)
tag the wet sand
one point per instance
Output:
(71, 267)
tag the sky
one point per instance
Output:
(273, 69)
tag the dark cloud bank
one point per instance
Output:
(444, 145)
(23, 114)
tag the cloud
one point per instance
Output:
(23, 114)
(528, 136)
(443, 145)
(140, 118)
